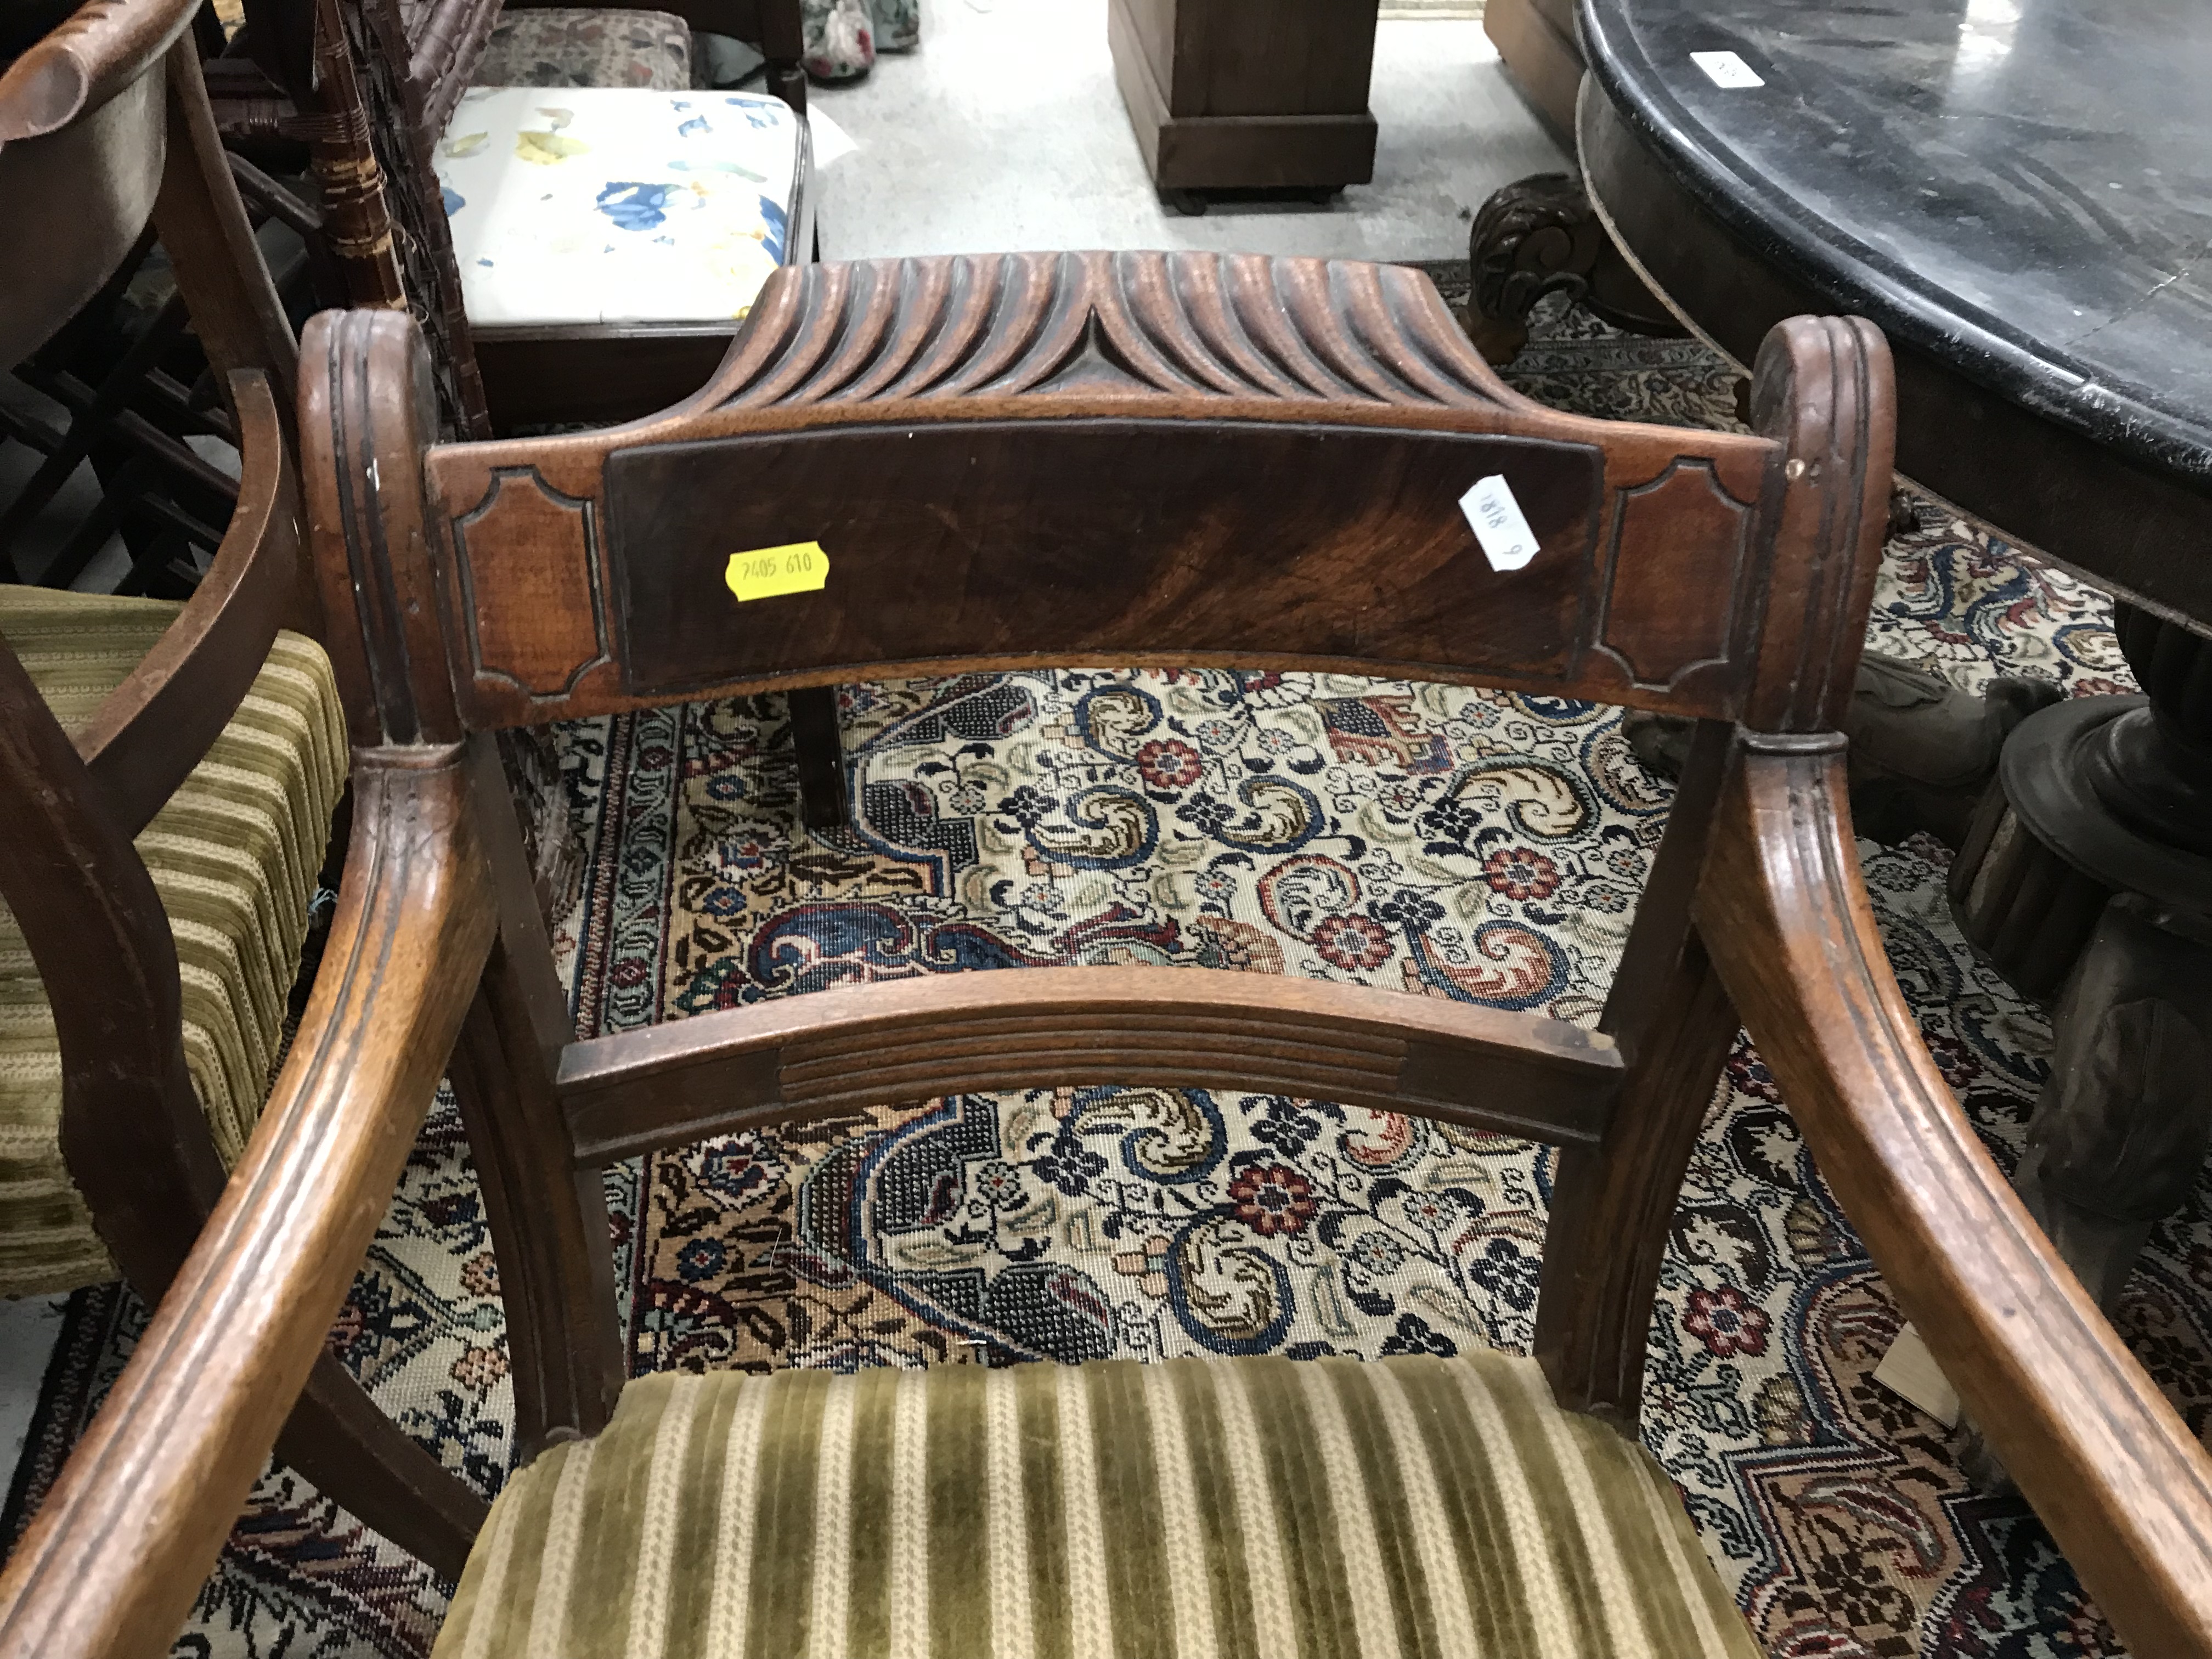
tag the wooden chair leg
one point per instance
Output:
(822, 802)
(552, 839)
(549, 1227)
(343, 1442)
(1610, 1206)
(1611, 1210)
(547, 1217)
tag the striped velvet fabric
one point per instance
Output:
(1247, 1508)
(234, 854)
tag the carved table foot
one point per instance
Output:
(2123, 1124)
(1923, 751)
(1538, 236)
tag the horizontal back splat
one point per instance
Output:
(1334, 413)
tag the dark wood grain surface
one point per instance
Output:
(1246, 93)
(1222, 459)
(1125, 541)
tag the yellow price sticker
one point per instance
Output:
(769, 572)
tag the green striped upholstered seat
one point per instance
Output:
(234, 854)
(1248, 1509)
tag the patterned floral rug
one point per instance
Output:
(1438, 841)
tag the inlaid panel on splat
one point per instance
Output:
(537, 549)
(1681, 534)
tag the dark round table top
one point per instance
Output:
(2021, 189)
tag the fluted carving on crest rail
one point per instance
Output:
(1104, 457)
(1091, 325)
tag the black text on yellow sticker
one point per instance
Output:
(769, 572)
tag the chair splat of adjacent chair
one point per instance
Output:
(1092, 459)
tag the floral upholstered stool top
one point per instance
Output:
(580, 205)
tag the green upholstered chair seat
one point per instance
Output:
(1256, 1507)
(234, 854)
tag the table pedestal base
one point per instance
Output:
(2087, 877)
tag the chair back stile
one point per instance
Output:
(1094, 459)
(1821, 393)
(236, 314)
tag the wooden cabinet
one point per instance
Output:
(1244, 93)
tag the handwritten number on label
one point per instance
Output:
(771, 572)
(1499, 524)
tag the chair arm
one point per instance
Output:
(2109, 1465)
(98, 51)
(126, 1538)
(152, 730)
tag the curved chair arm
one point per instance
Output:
(150, 732)
(102, 48)
(2109, 1465)
(124, 1542)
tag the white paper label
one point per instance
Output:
(1725, 69)
(1497, 520)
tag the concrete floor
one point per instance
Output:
(1005, 131)
(28, 1329)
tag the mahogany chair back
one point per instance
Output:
(1144, 459)
(106, 97)
(89, 164)
(1101, 459)
(80, 148)
(1133, 458)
